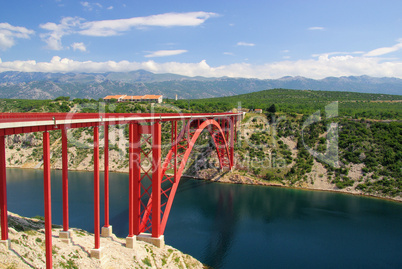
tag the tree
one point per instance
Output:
(62, 98)
(272, 109)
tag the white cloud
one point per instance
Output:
(115, 27)
(164, 53)
(78, 46)
(110, 8)
(76, 25)
(315, 28)
(57, 31)
(228, 53)
(85, 4)
(385, 50)
(8, 34)
(245, 44)
(339, 53)
(90, 6)
(323, 66)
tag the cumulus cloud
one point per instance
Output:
(321, 67)
(385, 50)
(78, 46)
(245, 44)
(57, 31)
(8, 34)
(164, 53)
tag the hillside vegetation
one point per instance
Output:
(351, 104)
(297, 140)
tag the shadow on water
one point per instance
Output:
(223, 231)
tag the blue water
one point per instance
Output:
(239, 226)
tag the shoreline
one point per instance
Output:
(254, 182)
(279, 185)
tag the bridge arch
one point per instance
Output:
(169, 190)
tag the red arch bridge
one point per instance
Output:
(153, 180)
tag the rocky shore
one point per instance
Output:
(321, 183)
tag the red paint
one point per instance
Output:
(175, 142)
(96, 188)
(130, 180)
(232, 136)
(156, 179)
(106, 174)
(137, 178)
(3, 190)
(48, 199)
(64, 157)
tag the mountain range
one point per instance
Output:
(36, 85)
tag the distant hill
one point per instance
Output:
(97, 85)
(352, 104)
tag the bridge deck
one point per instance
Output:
(16, 123)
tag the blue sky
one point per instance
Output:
(261, 39)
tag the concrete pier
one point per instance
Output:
(130, 241)
(6, 243)
(147, 237)
(107, 231)
(65, 236)
(96, 253)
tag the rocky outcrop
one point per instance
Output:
(28, 250)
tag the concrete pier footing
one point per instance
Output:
(107, 231)
(96, 253)
(130, 241)
(65, 236)
(6, 243)
(147, 237)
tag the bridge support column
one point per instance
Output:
(232, 136)
(65, 234)
(156, 179)
(130, 239)
(48, 199)
(3, 194)
(137, 178)
(107, 228)
(96, 251)
(174, 143)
